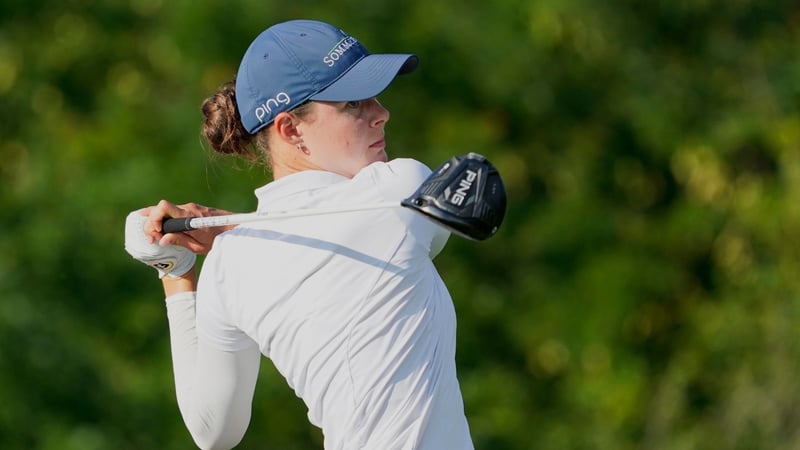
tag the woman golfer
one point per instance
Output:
(349, 307)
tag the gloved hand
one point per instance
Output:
(172, 260)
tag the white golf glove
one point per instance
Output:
(172, 260)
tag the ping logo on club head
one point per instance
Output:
(463, 188)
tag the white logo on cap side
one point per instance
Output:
(338, 50)
(265, 109)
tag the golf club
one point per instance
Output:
(465, 195)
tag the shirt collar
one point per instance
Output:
(271, 195)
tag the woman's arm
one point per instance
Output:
(214, 388)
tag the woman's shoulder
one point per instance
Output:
(408, 167)
(397, 178)
(402, 170)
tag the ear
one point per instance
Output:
(286, 128)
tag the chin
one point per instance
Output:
(382, 156)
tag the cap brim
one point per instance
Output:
(367, 78)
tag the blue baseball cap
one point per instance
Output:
(299, 60)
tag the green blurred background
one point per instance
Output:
(643, 292)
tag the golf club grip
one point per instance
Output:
(177, 225)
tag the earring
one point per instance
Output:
(303, 149)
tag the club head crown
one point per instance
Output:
(465, 195)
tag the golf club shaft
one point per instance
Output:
(175, 225)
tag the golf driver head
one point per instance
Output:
(465, 195)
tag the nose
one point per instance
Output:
(380, 115)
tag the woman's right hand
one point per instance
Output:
(198, 241)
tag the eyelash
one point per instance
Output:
(353, 104)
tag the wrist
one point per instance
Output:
(184, 283)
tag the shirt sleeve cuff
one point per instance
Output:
(188, 296)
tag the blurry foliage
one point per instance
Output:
(643, 292)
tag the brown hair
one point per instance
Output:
(225, 133)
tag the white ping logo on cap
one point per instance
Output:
(265, 109)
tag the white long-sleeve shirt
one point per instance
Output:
(349, 307)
